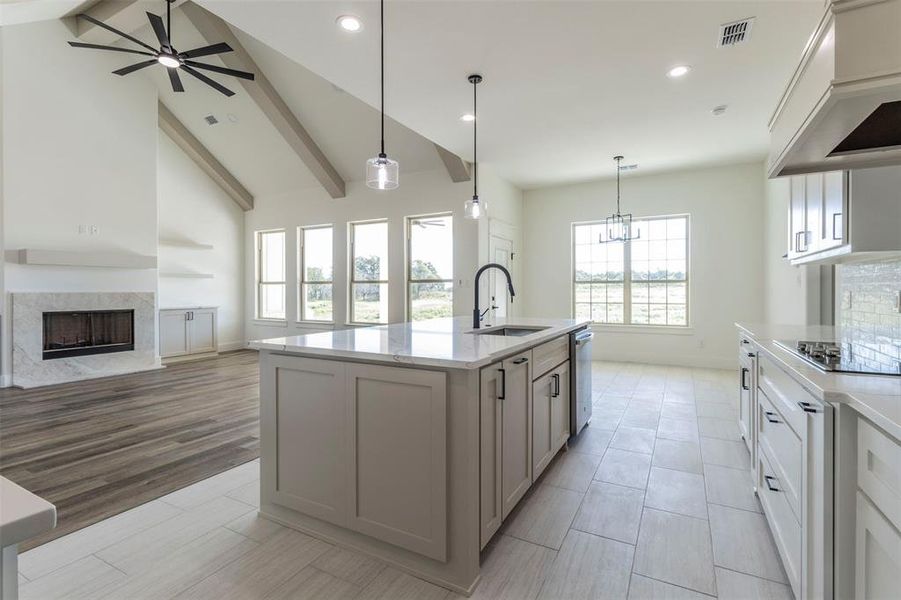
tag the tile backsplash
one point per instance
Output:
(868, 312)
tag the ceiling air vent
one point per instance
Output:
(737, 32)
(210, 120)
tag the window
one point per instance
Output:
(271, 274)
(369, 272)
(430, 267)
(641, 282)
(314, 262)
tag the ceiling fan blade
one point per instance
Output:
(213, 84)
(117, 32)
(135, 67)
(159, 29)
(113, 48)
(175, 80)
(207, 50)
(223, 70)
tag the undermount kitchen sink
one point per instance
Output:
(509, 331)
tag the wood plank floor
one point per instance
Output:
(97, 448)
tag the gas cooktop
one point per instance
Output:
(842, 357)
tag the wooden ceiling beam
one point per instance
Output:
(190, 145)
(261, 91)
(458, 169)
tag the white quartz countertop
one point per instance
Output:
(878, 397)
(22, 514)
(437, 342)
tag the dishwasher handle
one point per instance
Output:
(583, 336)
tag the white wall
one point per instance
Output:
(726, 271)
(192, 208)
(79, 148)
(791, 294)
(419, 193)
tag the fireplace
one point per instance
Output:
(83, 332)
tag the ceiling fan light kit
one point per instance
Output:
(167, 55)
(382, 173)
(618, 226)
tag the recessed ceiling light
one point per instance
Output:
(678, 71)
(468, 118)
(350, 23)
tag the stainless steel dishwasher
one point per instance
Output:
(580, 379)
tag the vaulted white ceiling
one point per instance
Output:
(568, 84)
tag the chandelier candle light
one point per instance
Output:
(475, 209)
(618, 226)
(381, 171)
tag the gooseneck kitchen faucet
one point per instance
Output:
(476, 315)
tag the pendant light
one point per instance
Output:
(475, 208)
(618, 226)
(381, 171)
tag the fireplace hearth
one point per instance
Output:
(85, 332)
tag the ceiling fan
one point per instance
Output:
(167, 55)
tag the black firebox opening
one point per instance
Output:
(83, 332)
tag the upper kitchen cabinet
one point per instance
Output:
(842, 107)
(842, 216)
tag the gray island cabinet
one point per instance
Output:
(411, 442)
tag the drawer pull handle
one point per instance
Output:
(503, 382)
(556, 382)
(769, 483)
(744, 384)
(520, 361)
(769, 416)
(808, 407)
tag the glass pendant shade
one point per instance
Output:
(475, 208)
(382, 173)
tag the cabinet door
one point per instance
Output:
(878, 553)
(490, 467)
(516, 430)
(173, 333)
(542, 435)
(834, 209)
(745, 390)
(560, 405)
(307, 418)
(814, 229)
(797, 216)
(397, 476)
(202, 330)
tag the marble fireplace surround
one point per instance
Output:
(31, 370)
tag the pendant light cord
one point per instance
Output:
(169, 22)
(475, 146)
(617, 159)
(382, 19)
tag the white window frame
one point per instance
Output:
(258, 240)
(302, 273)
(409, 260)
(351, 273)
(627, 277)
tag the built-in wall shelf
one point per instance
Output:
(68, 258)
(186, 275)
(185, 244)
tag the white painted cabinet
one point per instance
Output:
(747, 393)
(817, 209)
(505, 431)
(188, 331)
(550, 417)
(379, 435)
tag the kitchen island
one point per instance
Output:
(412, 442)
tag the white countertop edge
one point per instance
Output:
(24, 514)
(523, 343)
(882, 409)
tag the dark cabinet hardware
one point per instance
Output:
(808, 407)
(503, 394)
(769, 483)
(520, 361)
(744, 382)
(556, 381)
(770, 416)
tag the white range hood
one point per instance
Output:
(842, 107)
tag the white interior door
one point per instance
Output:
(500, 250)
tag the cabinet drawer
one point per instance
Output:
(548, 355)
(784, 451)
(785, 393)
(879, 469)
(785, 527)
(878, 553)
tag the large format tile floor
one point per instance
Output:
(654, 501)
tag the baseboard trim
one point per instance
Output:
(229, 346)
(5, 381)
